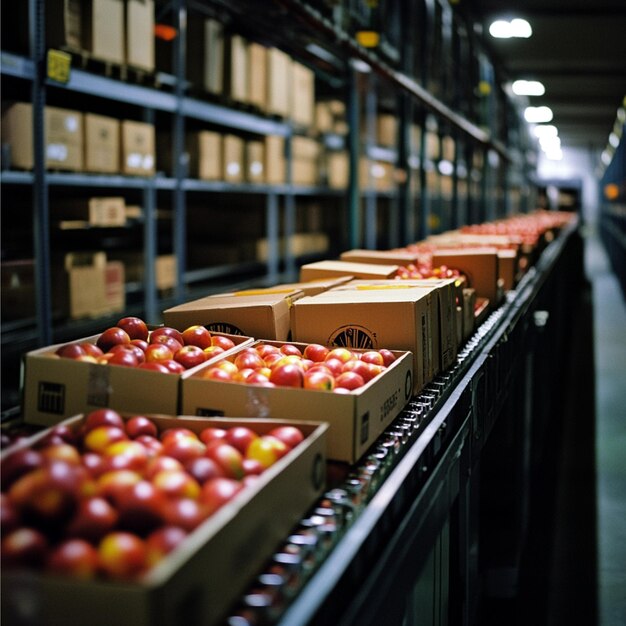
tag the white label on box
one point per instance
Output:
(71, 123)
(148, 162)
(256, 168)
(56, 152)
(232, 169)
(134, 160)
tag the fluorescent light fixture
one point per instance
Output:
(606, 157)
(538, 115)
(549, 143)
(502, 29)
(554, 154)
(545, 130)
(614, 140)
(528, 88)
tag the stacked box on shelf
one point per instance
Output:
(356, 418)
(212, 565)
(139, 31)
(102, 144)
(138, 152)
(103, 30)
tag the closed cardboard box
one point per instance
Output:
(255, 161)
(275, 164)
(260, 313)
(397, 319)
(331, 269)
(63, 138)
(278, 82)
(205, 155)
(102, 144)
(138, 150)
(103, 211)
(64, 24)
(257, 70)
(338, 169)
(233, 158)
(386, 129)
(302, 94)
(104, 29)
(383, 257)
(236, 68)
(140, 34)
(378, 175)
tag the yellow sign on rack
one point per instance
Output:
(58, 66)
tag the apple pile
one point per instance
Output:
(131, 344)
(314, 367)
(111, 497)
(424, 270)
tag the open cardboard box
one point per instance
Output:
(204, 576)
(393, 315)
(356, 419)
(55, 388)
(253, 313)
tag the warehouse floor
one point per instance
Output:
(574, 567)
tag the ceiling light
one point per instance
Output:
(528, 88)
(614, 140)
(549, 143)
(545, 130)
(538, 115)
(501, 29)
(554, 155)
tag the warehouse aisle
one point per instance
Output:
(610, 359)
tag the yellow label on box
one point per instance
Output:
(58, 66)
(261, 292)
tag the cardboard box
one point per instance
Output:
(479, 265)
(356, 419)
(102, 144)
(255, 162)
(298, 244)
(209, 571)
(257, 70)
(330, 269)
(507, 268)
(313, 287)
(338, 169)
(138, 148)
(140, 34)
(446, 293)
(377, 175)
(18, 289)
(233, 159)
(323, 117)
(57, 388)
(205, 155)
(278, 82)
(104, 29)
(236, 68)
(302, 94)
(275, 163)
(101, 212)
(166, 268)
(386, 130)
(469, 306)
(399, 319)
(260, 313)
(382, 257)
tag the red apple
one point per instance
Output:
(154, 366)
(93, 519)
(102, 417)
(17, 464)
(142, 344)
(373, 356)
(177, 433)
(227, 457)
(125, 358)
(197, 336)
(267, 450)
(168, 331)
(135, 327)
(258, 378)
(126, 454)
(74, 557)
(161, 464)
(218, 491)
(91, 349)
(71, 351)
(316, 352)
(343, 354)
(186, 513)
(111, 483)
(210, 433)
(122, 555)
(9, 515)
(223, 342)
(289, 435)
(176, 483)
(173, 367)
(265, 349)
(287, 375)
(334, 365)
(202, 469)
(190, 356)
(166, 340)
(140, 355)
(101, 437)
(213, 351)
(288, 348)
(152, 445)
(183, 448)
(162, 541)
(140, 507)
(249, 359)
(112, 337)
(158, 352)
(217, 373)
(252, 467)
(318, 379)
(62, 452)
(388, 356)
(24, 547)
(140, 425)
(349, 380)
(240, 437)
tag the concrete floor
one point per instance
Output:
(609, 331)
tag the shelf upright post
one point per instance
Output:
(41, 216)
(178, 149)
(354, 152)
(150, 241)
(290, 210)
(271, 228)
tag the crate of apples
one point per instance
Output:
(107, 497)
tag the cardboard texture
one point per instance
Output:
(138, 148)
(299, 244)
(278, 82)
(140, 34)
(199, 581)
(103, 212)
(382, 257)
(255, 162)
(102, 144)
(261, 313)
(57, 388)
(337, 169)
(314, 287)
(257, 70)
(64, 24)
(331, 269)
(104, 29)
(275, 164)
(302, 94)
(386, 129)
(233, 159)
(479, 265)
(356, 419)
(236, 68)
(395, 318)
(377, 175)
